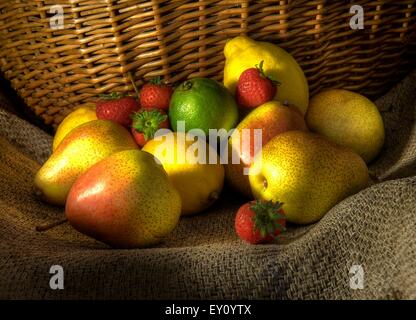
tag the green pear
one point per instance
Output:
(126, 200)
(79, 150)
(308, 173)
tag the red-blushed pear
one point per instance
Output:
(272, 118)
(125, 200)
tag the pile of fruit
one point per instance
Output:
(127, 169)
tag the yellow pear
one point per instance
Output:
(79, 150)
(242, 53)
(272, 118)
(349, 119)
(308, 173)
(71, 121)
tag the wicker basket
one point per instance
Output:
(105, 44)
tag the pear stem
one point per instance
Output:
(51, 225)
(265, 184)
(374, 177)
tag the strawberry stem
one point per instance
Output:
(136, 90)
(259, 67)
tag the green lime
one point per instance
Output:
(203, 104)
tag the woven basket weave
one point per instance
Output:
(107, 44)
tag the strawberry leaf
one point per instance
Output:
(268, 217)
(274, 81)
(148, 122)
(112, 96)
(259, 67)
(157, 80)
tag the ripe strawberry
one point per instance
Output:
(254, 88)
(116, 107)
(155, 95)
(146, 123)
(260, 221)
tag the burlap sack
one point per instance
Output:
(203, 258)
